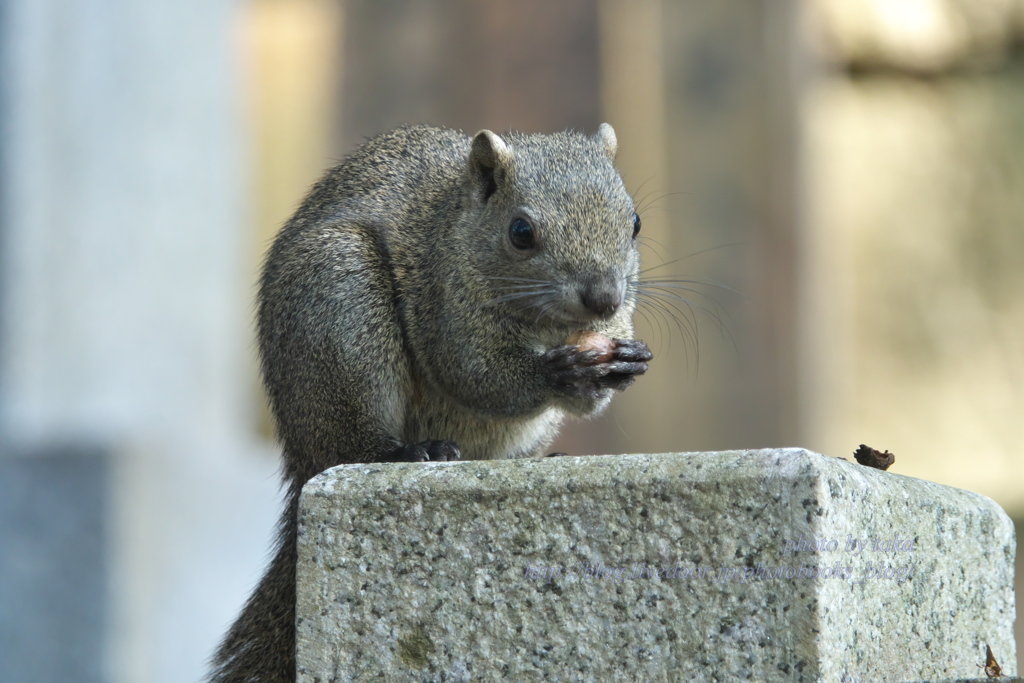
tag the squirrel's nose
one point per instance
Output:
(602, 297)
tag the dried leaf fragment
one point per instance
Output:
(869, 457)
(992, 668)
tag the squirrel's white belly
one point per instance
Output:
(484, 438)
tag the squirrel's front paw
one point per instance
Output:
(629, 360)
(426, 451)
(576, 373)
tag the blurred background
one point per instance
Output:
(842, 179)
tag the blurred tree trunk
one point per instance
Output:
(530, 66)
(705, 97)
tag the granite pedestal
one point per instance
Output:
(771, 565)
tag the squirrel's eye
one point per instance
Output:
(636, 225)
(520, 234)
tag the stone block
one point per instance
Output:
(771, 565)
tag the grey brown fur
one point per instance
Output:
(398, 321)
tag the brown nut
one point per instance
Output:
(588, 340)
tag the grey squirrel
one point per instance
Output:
(416, 308)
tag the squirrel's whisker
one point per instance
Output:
(676, 282)
(518, 279)
(524, 288)
(715, 314)
(642, 308)
(689, 256)
(512, 297)
(543, 311)
(686, 324)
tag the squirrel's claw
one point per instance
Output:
(573, 372)
(426, 451)
(632, 350)
(568, 357)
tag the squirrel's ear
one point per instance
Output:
(489, 159)
(606, 136)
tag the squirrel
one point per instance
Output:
(416, 307)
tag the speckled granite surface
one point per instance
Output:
(773, 565)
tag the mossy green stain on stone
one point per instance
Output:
(415, 649)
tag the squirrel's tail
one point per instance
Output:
(261, 644)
